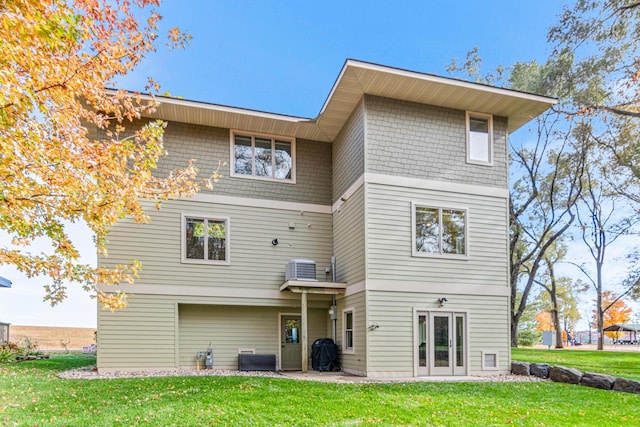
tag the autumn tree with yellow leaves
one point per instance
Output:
(57, 58)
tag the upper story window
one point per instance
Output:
(263, 157)
(439, 231)
(205, 240)
(479, 138)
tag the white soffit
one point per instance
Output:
(355, 80)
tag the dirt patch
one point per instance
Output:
(53, 338)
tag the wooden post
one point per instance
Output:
(303, 326)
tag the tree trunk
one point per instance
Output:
(600, 313)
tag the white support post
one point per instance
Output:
(303, 326)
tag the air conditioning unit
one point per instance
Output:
(300, 269)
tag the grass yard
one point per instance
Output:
(616, 363)
(30, 394)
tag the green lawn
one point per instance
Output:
(616, 363)
(30, 394)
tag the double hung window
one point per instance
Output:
(347, 322)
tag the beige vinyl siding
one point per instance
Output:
(355, 363)
(348, 153)
(140, 335)
(389, 238)
(428, 142)
(145, 334)
(254, 261)
(349, 231)
(227, 328)
(391, 347)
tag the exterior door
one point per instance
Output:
(291, 349)
(441, 343)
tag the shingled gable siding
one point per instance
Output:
(209, 146)
(348, 153)
(422, 141)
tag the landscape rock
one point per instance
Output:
(565, 375)
(540, 370)
(520, 368)
(602, 381)
(628, 386)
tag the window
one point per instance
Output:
(263, 157)
(205, 240)
(479, 138)
(347, 326)
(489, 360)
(439, 231)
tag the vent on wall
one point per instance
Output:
(300, 269)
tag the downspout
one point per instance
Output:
(334, 307)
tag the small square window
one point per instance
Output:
(205, 240)
(479, 138)
(490, 360)
(347, 326)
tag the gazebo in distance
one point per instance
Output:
(4, 327)
(631, 330)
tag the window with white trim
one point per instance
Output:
(490, 361)
(439, 231)
(205, 240)
(479, 138)
(263, 157)
(347, 327)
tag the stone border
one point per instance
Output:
(575, 376)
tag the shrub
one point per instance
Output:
(8, 352)
(528, 337)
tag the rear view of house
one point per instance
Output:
(382, 222)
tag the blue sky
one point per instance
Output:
(284, 56)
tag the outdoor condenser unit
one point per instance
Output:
(300, 269)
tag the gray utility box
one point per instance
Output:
(256, 362)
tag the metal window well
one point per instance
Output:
(301, 269)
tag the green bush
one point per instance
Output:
(8, 352)
(528, 338)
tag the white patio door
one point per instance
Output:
(441, 343)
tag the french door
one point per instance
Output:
(441, 343)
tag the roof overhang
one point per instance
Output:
(314, 287)
(624, 327)
(357, 79)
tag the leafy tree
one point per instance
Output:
(56, 59)
(601, 226)
(544, 321)
(615, 311)
(558, 298)
(546, 175)
(599, 41)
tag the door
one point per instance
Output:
(441, 343)
(291, 349)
